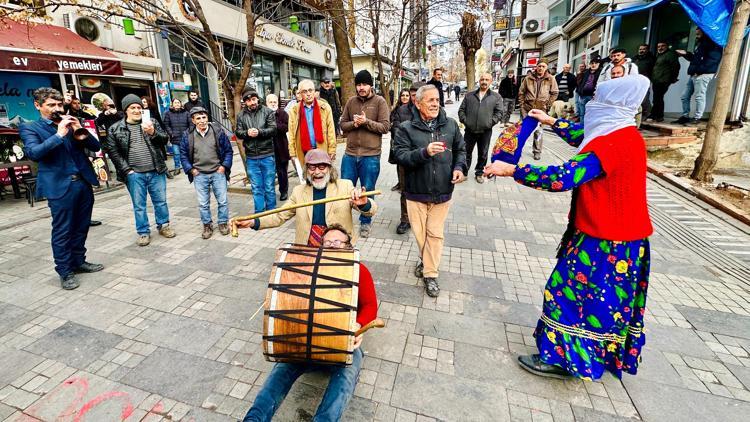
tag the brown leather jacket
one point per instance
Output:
(536, 92)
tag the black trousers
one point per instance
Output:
(660, 90)
(283, 175)
(71, 218)
(482, 141)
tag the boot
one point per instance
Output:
(208, 231)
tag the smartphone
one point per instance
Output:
(146, 116)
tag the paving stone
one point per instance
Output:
(5, 411)
(184, 334)
(473, 285)
(177, 375)
(382, 272)
(661, 402)
(14, 363)
(583, 414)
(12, 316)
(447, 397)
(502, 310)
(387, 344)
(24, 293)
(236, 313)
(74, 344)
(742, 373)
(399, 293)
(197, 414)
(717, 322)
(655, 367)
(461, 329)
(238, 287)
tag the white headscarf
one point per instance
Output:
(614, 106)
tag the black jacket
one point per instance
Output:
(117, 145)
(263, 119)
(439, 86)
(190, 104)
(666, 68)
(581, 89)
(480, 116)
(645, 63)
(705, 58)
(332, 97)
(566, 95)
(428, 179)
(176, 122)
(400, 114)
(281, 142)
(509, 88)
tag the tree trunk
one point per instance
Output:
(470, 70)
(706, 161)
(343, 50)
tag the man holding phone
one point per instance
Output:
(65, 178)
(433, 153)
(135, 147)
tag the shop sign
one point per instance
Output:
(531, 58)
(281, 38)
(31, 62)
(179, 86)
(501, 23)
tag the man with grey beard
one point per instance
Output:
(322, 182)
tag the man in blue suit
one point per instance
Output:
(65, 178)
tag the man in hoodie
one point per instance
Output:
(256, 127)
(618, 57)
(538, 90)
(365, 120)
(704, 62)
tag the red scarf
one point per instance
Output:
(317, 126)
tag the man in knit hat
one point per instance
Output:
(135, 147)
(365, 120)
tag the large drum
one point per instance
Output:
(311, 305)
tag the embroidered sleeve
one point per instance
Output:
(579, 170)
(570, 132)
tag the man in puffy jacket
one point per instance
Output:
(538, 90)
(479, 112)
(256, 127)
(176, 123)
(433, 153)
(704, 62)
(665, 73)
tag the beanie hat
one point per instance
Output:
(363, 77)
(129, 100)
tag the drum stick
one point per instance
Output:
(233, 221)
(376, 323)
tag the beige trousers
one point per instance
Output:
(428, 223)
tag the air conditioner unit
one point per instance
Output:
(176, 68)
(534, 26)
(96, 31)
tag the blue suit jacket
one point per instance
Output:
(58, 158)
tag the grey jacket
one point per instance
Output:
(263, 119)
(480, 116)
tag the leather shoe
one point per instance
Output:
(69, 282)
(170, 175)
(403, 228)
(284, 196)
(93, 223)
(88, 267)
(431, 286)
(534, 364)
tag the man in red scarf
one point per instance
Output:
(311, 125)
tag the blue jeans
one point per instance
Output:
(218, 183)
(283, 376)
(262, 173)
(581, 101)
(155, 185)
(698, 85)
(176, 156)
(366, 169)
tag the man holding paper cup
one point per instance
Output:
(310, 127)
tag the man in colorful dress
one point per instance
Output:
(595, 299)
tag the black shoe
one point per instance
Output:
(396, 187)
(431, 287)
(403, 228)
(658, 119)
(534, 364)
(537, 156)
(682, 120)
(177, 171)
(284, 196)
(88, 267)
(69, 282)
(419, 269)
(169, 175)
(93, 223)
(694, 122)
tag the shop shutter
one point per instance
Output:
(551, 47)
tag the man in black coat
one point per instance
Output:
(328, 92)
(437, 80)
(480, 111)
(509, 92)
(280, 146)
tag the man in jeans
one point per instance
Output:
(480, 111)
(256, 127)
(509, 92)
(206, 155)
(433, 153)
(704, 62)
(365, 120)
(135, 147)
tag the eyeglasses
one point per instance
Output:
(307, 91)
(335, 243)
(321, 167)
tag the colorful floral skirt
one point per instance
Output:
(594, 301)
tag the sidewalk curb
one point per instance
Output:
(708, 197)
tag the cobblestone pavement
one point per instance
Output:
(165, 332)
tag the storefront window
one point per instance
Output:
(671, 24)
(631, 32)
(302, 71)
(583, 47)
(265, 75)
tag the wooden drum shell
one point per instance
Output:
(285, 340)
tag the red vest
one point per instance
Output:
(613, 206)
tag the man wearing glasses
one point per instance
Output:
(310, 125)
(322, 182)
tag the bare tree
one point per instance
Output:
(706, 161)
(470, 37)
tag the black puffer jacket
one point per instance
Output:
(263, 119)
(428, 179)
(117, 145)
(176, 122)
